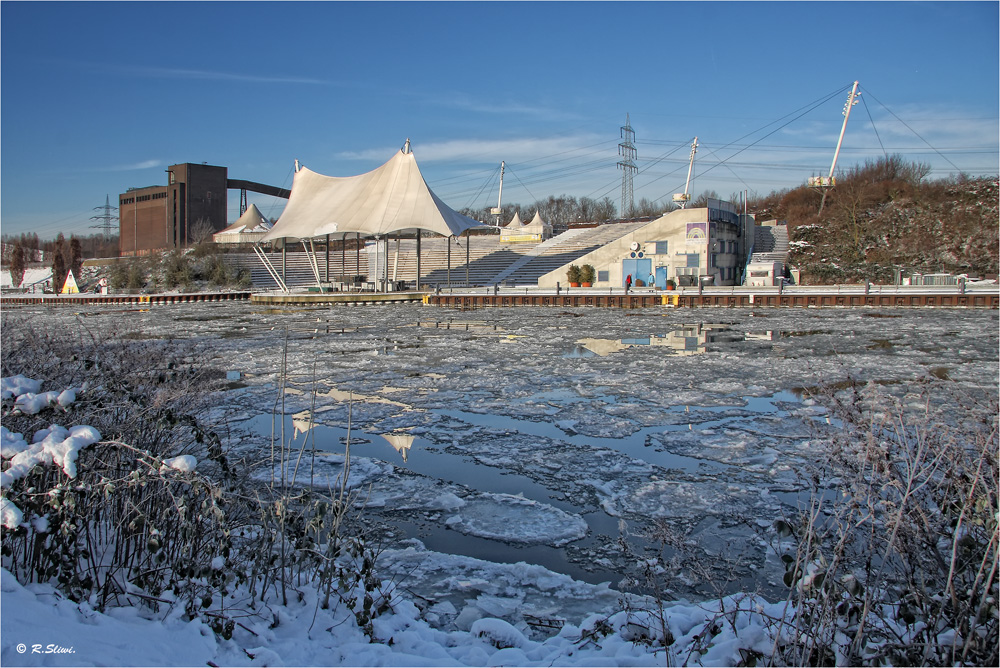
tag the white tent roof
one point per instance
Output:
(515, 222)
(252, 220)
(537, 220)
(392, 198)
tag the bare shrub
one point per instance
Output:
(896, 563)
(133, 527)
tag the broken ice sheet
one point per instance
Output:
(637, 434)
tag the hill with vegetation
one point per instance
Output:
(883, 216)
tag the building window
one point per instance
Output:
(602, 276)
(661, 247)
(171, 179)
(693, 259)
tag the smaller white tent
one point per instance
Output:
(250, 228)
(538, 224)
(536, 230)
(515, 222)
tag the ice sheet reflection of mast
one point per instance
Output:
(401, 442)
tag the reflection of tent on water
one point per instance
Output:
(401, 442)
(393, 198)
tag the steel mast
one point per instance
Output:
(498, 211)
(852, 100)
(626, 149)
(106, 218)
(686, 196)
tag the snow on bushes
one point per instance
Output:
(55, 445)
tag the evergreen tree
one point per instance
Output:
(59, 264)
(75, 258)
(17, 264)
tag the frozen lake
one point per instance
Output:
(542, 435)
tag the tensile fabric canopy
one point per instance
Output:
(393, 198)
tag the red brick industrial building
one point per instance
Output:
(188, 209)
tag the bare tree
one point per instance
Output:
(648, 207)
(702, 199)
(201, 231)
(605, 209)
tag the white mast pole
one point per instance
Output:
(500, 194)
(851, 101)
(687, 184)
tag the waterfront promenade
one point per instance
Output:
(879, 296)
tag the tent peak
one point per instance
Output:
(389, 199)
(406, 146)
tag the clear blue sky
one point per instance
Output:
(100, 97)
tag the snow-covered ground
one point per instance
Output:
(31, 277)
(508, 450)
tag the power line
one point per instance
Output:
(489, 182)
(535, 199)
(807, 108)
(915, 133)
(872, 120)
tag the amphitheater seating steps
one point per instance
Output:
(566, 248)
(489, 260)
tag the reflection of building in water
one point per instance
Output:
(466, 325)
(401, 442)
(686, 340)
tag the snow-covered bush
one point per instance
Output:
(894, 562)
(140, 504)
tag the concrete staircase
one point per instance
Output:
(537, 251)
(770, 244)
(490, 261)
(565, 248)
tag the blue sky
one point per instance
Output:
(100, 97)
